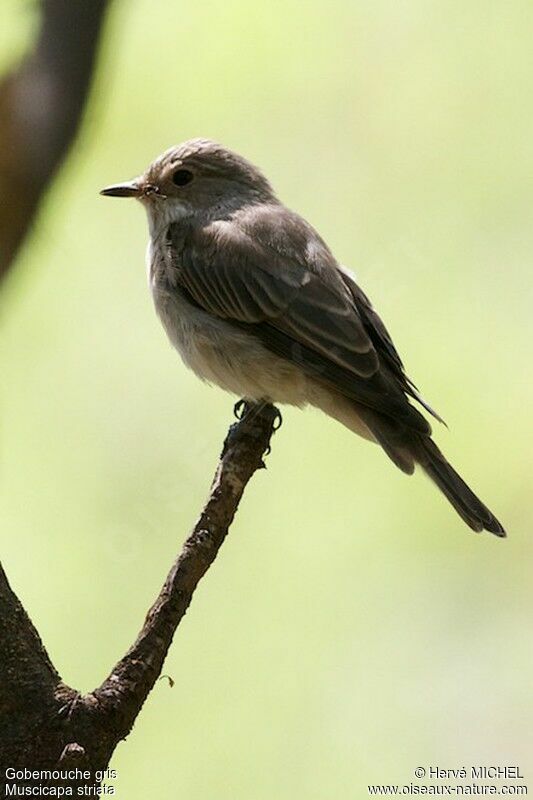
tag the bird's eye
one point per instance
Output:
(182, 177)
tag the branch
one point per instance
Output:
(84, 730)
(41, 104)
(122, 695)
(28, 679)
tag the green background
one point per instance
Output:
(352, 627)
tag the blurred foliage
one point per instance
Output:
(352, 627)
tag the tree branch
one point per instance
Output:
(45, 724)
(41, 104)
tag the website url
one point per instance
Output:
(464, 790)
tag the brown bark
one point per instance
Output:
(47, 725)
(41, 104)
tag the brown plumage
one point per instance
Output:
(255, 301)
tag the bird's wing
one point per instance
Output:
(382, 341)
(271, 274)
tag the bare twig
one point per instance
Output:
(41, 104)
(45, 724)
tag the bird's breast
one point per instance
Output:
(216, 350)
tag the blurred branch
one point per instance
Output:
(45, 724)
(41, 105)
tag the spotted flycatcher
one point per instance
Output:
(254, 301)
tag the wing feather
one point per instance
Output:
(258, 274)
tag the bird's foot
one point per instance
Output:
(244, 409)
(276, 425)
(278, 419)
(239, 409)
(247, 410)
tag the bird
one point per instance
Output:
(255, 302)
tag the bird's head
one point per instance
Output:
(196, 177)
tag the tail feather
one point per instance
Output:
(405, 447)
(462, 498)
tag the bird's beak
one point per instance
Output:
(127, 189)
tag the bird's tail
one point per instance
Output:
(407, 447)
(462, 498)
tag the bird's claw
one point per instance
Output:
(239, 409)
(243, 408)
(276, 425)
